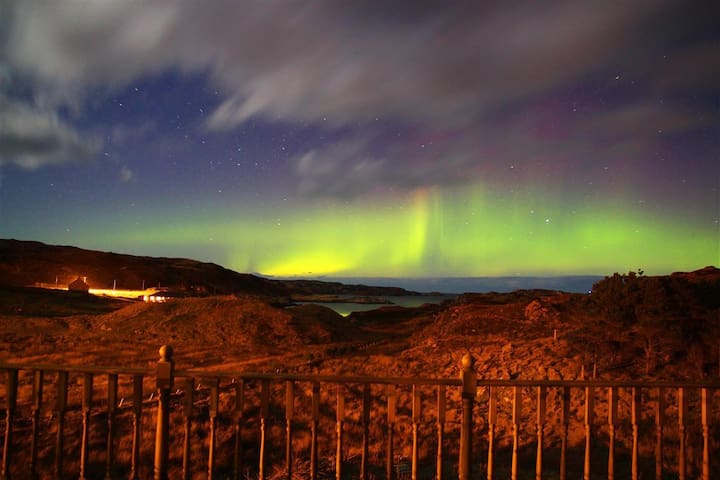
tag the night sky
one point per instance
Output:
(366, 138)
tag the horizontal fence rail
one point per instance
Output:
(98, 422)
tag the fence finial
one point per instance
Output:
(166, 353)
(468, 361)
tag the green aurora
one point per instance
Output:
(434, 233)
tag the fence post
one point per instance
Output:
(214, 400)
(10, 405)
(565, 417)
(60, 408)
(612, 419)
(705, 405)
(237, 427)
(37, 395)
(86, 407)
(365, 423)
(391, 408)
(516, 407)
(164, 381)
(492, 421)
(540, 427)
(440, 430)
(659, 427)
(682, 416)
(315, 421)
(416, 416)
(589, 430)
(339, 419)
(635, 415)
(189, 388)
(289, 412)
(112, 389)
(264, 418)
(469, 383)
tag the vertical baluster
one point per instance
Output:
(86, 406)
(60, 407)
(214, 384)
(137, 419)
(540, 427)
(659, 421)
(36, 406)
(264, 414)
(589, 410)
(314, 430)
(289, 412)
(188, 390)
(416, 415)
(704, 416)
(515, 430)
(237, 426)
(365, 431)
(682, 413)
(339, 419)
(10, 405)
(391, 407)
(111, 411)
(492, 421)
(440, 430)
(635, 420)
(565, 422)
(612, 418)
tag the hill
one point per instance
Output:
(24, 263)
(630, 327)
(55, 326)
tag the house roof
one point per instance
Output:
(78, 284)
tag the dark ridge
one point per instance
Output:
(29, 263)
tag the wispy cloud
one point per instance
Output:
(434, 62)
(429, 66)
(32, 137)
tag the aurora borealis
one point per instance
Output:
(408, 139)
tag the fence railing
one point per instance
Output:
(481, 428)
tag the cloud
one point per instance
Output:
(426, 61)
(31, 137)
(345, 168)
(370, 163)
(474, 74)
(546, 143)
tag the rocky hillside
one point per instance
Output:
(631, 326)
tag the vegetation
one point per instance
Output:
(668, 318)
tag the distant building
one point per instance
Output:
(163, 296)
(79, 285)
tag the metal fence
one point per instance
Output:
(450, 428)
